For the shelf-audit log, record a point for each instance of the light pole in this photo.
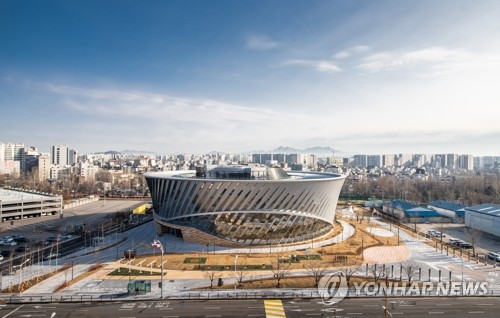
(161, 278)
(235, 274)
(462, 256)
(21, 276)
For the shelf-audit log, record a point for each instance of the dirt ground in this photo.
(346, 252)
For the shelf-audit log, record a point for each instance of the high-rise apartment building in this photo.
(388, 160)
(466, 162)
(59, 155)
(404, 159)
(2, 151)
(72, 156)
(451, 160)
(440, 160)
(359, 161)
(13, 152)
(374, 160)
(43, 168)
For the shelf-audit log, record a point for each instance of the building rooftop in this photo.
(241, 172)
(448, 206)
(7, 195)
(487, 208)
(413, 210)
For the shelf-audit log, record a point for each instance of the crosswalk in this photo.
(274, 308)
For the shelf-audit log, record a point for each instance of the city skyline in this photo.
(196, 76)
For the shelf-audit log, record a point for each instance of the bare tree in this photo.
(410, 268)
(376, 271)
(241, 274)
(348, 271)
(473, 236)
(280, 271)
(317, 271)
(212, 275)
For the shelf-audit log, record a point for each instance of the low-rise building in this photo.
(19, 204)
(484, 217)
(449, 209)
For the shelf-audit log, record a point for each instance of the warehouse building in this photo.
(484, 217)
(452, 210)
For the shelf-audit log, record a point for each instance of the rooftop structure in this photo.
(244, 205)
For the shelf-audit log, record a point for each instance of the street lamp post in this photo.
(21, 276)
(161, 278)
(235, 274)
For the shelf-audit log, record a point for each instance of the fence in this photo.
(230, 294)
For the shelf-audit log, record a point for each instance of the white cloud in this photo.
(187, 112)
(342, 55)
(360, 48)
(349, 51)
(260, 42)
(426, 59)
(317, 65)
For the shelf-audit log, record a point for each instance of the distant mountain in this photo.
(286, 150)
(134, 152)
(215, 152)
(127, 152)
(318, 151)
(322, 151)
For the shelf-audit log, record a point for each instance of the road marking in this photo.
(436, 312)
(10, 313)
(213, 316)
(211, 307)
(476, 312)
(274, 308)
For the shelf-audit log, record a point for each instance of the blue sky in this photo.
(196, 76)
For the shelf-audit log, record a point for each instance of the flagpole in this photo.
(161, 279)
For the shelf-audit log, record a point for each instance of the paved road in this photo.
(371, 307)
(435, 260)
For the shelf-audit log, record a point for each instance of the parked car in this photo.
(465, 245)
(1, 258)
(50, 256)
(11, 243)
(7, 253)
(454, 240)
(53, 239)
(457, 242)
(21, 239)
(22, 249)
(493, 256)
